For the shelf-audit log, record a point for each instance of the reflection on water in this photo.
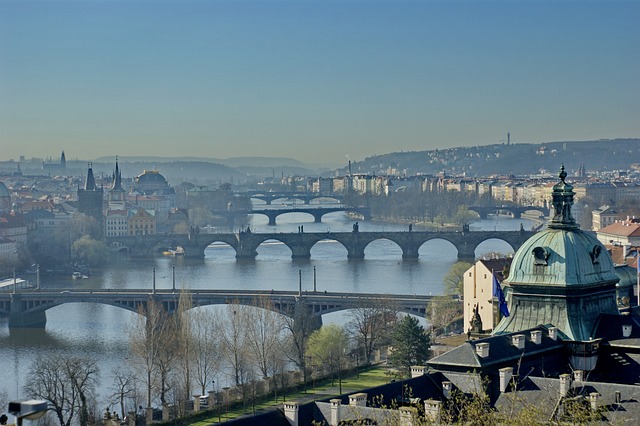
(100, 331)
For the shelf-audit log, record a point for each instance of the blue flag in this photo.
(499, 294)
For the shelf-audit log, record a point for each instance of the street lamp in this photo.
(32, 409)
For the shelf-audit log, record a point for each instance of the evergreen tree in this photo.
(410, 345)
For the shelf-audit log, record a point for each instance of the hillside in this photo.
(515, 159)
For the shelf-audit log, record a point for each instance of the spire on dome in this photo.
(562, 200)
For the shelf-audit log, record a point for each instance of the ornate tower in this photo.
(117, 195)
(90, 198)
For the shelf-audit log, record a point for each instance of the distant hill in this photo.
(231, 162)
(201, 172)
(514, 159)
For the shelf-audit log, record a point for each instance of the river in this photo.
(99, 331)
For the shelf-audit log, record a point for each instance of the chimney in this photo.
(565, 384)
(482, 350)
(517, 340)
(578, 376)
(335, 411)
(593, 399)
(291, 412)
(446, 389)
(417, 371)
(618, 397)
(432, 410)
(536, 337)
(553, 333)
(505, 376)
(407, 416)
(626, 330)
(358, 399)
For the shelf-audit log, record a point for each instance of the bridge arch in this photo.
(392, 248)
(318, 246)
(281, 244)
(447, 249)
(493, 245)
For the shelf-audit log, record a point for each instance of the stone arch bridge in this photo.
(246, 244)
(305, 197)
(515, 211)
(27, 308)
(316, 212)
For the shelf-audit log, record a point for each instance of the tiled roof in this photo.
(625, 229)
(501, 351)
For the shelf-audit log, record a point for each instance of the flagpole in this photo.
(638, 276)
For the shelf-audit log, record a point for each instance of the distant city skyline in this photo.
(317, 81)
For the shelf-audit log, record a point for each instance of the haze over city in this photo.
(318, 81)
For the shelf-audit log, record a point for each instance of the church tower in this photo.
(117, 195)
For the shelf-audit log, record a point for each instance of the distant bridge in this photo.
(27, 308)
(246, 244)
(316, 212)
(305, 197)
(515, 211)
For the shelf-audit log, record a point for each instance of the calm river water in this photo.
(99, 331)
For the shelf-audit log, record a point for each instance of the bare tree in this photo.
(67, 383)
(371, 324)
(265, 335)
(233, 332)
(299, 324)
(123, 387)
(146, 338)
(204, 330)
(442, 311)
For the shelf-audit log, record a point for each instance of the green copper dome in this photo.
(562, 255)
(561, 276)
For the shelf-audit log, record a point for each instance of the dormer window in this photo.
(540, 256)
(595, 253)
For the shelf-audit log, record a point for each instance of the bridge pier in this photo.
(355, 250)
(20, 319)
(466, 251)
(28, 320)
(272, 220)
(317, 218)
(300, 251)
(410, 253)
(304, 321)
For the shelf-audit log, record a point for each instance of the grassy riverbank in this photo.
(321, 389)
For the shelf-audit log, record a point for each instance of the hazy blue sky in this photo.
(313, 80)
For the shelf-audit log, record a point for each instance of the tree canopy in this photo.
(454, 279)
(410, 345)
(328, 347)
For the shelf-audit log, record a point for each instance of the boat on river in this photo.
(79, 275)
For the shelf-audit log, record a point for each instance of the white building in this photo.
(478, 292)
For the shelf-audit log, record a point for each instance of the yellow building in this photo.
(141, 222)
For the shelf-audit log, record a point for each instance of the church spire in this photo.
(117, 178)
(90, 184)
(562, 200)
